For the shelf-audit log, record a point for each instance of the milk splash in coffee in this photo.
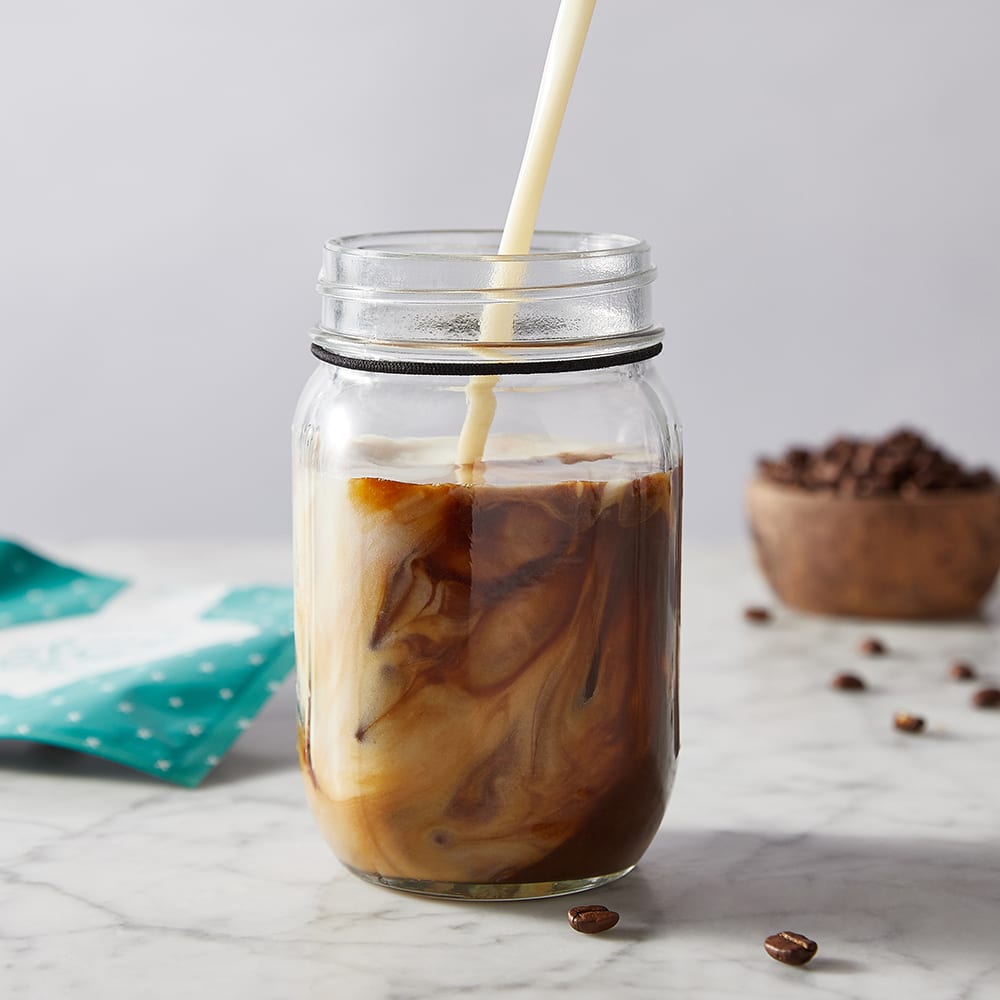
(490, 697)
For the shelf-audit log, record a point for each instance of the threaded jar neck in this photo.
(422, 295)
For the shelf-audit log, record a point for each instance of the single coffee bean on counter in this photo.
(756, 614)
(592, 919)
(962, 671)
(790, 947)
(907, 723)
(848, 682)
(987, 698)
(874, 647)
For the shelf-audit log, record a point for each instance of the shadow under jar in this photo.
(487, 654)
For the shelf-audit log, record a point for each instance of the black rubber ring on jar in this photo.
(485, 367)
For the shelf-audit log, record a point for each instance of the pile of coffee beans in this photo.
(901, 464)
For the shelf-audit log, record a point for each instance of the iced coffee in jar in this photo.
(487, 634)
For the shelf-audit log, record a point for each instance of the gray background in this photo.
(818, 179)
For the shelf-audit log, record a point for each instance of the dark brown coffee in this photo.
(493, 671)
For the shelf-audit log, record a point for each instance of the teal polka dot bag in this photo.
(163, 683)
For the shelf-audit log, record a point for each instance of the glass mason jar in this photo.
(487, 648)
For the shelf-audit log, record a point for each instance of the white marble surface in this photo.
(796, 807)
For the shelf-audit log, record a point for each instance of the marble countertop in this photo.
(796, 807)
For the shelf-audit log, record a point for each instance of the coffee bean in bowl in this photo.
(886, 528)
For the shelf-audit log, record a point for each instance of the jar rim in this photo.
(396, 245)
(406, 290)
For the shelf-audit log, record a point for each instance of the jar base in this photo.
(493, 892)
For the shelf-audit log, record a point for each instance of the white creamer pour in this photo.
(497, 322)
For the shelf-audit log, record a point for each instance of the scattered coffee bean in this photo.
(873, 647)
(962, 671)
(790, 948)
(757, 615)
(907, 723)
(592, 919)
(849, 682)
(987, 698)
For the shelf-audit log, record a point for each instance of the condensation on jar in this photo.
(487, 651)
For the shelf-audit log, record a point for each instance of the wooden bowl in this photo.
(932, 556)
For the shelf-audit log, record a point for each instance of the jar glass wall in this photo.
(487, 663)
